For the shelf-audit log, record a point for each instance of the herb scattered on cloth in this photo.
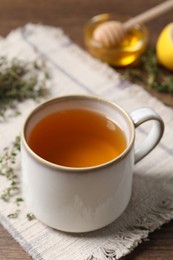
(7, 169)
(148, 73)
(8, 161)
(20, 81)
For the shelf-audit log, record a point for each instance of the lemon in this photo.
(164, 47)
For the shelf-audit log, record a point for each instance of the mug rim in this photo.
(77, 169)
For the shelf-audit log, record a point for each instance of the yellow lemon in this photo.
(164, 47)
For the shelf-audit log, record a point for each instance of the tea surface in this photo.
(77, 138)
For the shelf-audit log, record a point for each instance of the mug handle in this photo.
(141, 116)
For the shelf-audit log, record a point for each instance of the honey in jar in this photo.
(126, 53)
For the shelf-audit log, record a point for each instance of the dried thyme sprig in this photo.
(7, 170)
(149, 73)
(20, 81)
(7, 160)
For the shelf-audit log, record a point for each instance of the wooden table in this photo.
(71, 15)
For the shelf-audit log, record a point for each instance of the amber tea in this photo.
(77, 138)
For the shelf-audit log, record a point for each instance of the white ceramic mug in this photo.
(84, 199)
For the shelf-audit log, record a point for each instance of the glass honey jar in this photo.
(127, 52)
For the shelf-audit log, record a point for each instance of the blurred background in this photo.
(71, 15)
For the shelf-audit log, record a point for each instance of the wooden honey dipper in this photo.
(111, 33)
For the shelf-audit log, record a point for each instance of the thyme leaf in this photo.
(15, 214)
(18, 201)
(30, 216)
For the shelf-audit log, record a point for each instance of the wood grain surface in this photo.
(71, 15)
